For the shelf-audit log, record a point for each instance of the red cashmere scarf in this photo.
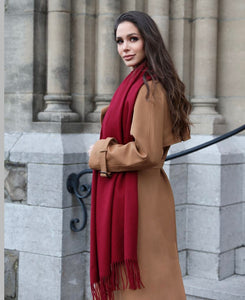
(114, 204)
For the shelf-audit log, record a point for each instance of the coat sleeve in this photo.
(152, 131)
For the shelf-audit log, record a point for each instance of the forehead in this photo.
(125, 28)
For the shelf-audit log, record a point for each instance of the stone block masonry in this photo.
(53, 261)
(11, 266)
(15, 182)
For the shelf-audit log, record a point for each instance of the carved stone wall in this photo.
(61, 64)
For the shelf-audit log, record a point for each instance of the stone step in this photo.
(231, 288)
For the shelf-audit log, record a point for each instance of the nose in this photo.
(125, 46)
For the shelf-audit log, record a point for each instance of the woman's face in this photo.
(130, 44)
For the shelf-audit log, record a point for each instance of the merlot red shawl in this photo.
(114, 204)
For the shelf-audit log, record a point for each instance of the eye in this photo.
(134, 39)
(119, 41)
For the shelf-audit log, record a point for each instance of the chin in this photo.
(131, 64)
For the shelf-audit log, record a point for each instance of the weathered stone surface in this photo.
(74, 271)
(231, 184)
(47, 184)
(107, 78)
(24, 6)
(227, 289)
(59, 5)
(128, 5)
(179, 39)
(87, 276)
(231, 12)
(230, 59)
(240, 261)
(39, 277)
(11, 264)
(231, 218)
(199, 178)
(19, 6)
(181, 9)
(58, 65)
(210, 265)
(9, 141)
(203, 231)
(226, 264)
(205, 56)
(44, 230)
(182, 261)
(83, 62)
(40, 53)
(15, 183)
(230, 87)
(19, 53)
(178, 175)
(108, 7)
(160, 14)
(35, 229)
(202, 264)
(52, 148)
(181, 212)
(206, 9)
(46, 277)
(233, 110)
(195, 298)
(18, 112)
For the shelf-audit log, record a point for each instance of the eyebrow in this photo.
(128, 35)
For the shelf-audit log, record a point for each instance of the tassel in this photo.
(124, 275)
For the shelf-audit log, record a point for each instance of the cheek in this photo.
(119, 50)
(141, 49)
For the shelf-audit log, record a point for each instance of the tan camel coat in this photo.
(157, 241)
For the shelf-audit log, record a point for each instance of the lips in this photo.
(128, 57)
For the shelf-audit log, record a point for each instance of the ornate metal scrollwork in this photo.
(81, 191)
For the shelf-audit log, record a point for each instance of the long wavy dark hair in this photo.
(161, 67)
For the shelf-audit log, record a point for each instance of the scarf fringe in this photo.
(123, 275)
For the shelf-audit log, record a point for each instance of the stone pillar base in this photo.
(48, 116)
(101, 101)
(207, 124)
(93, 117)
(58, 109)
(204, 117)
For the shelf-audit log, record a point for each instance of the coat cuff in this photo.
(97, 159)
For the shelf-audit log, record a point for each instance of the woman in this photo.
(134, 251)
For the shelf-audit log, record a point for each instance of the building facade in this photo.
(61, 68)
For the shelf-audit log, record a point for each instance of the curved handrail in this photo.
(206, 144)
(74, 187)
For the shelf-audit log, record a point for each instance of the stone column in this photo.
(58, 98)
(159, 11)
(107, 60)
(180, 39)
(83, 56)
(127, 5)
(204, 116)
(231, 63)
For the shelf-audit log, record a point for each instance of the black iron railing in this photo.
(82, 191)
